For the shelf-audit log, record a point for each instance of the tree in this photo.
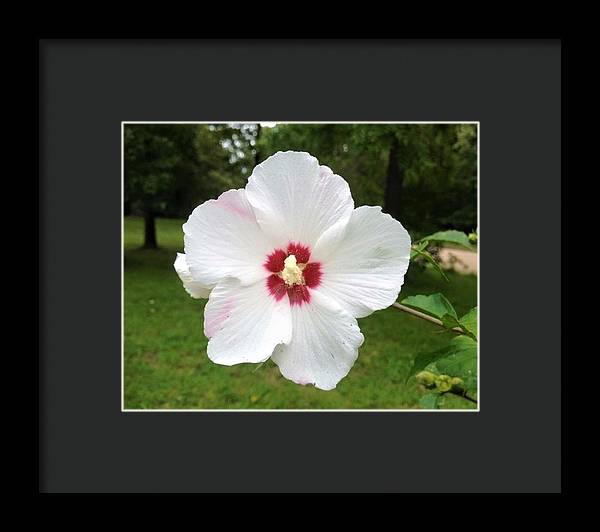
(256, 148)
(422, 174)
(172, 168)
(150, 161)
(203, 171)
(441, 177)
(393, 180)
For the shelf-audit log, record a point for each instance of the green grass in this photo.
(165, 359)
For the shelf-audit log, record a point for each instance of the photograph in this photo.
(293, 266)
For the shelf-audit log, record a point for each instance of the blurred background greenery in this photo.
(425, 175)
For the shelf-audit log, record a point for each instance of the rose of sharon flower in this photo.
(289, 264)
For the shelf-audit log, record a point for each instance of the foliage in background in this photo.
(150, 159)
(423, 174)
(171, 168)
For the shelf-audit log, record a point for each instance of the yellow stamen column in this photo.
(291, 273)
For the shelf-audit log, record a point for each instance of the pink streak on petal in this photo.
(212, 323)
(303, 382)
(325, 171)
(232, 203)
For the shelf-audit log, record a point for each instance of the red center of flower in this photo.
(292, 277)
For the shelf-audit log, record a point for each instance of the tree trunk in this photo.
(256, 152)
(394, 181)
(150, 231)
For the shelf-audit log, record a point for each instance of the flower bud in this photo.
(426, 378)
(443, 383)
(456, 381)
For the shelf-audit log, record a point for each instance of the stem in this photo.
(464, 396)
(423, 316)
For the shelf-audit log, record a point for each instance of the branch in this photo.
(463, 395)
(423, 316)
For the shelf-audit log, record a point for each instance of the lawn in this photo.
(165, 359)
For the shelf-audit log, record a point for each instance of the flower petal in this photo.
(366, 270)
(244, 323)
(222, 238)
(194, 288)
(297, 200)
(324, 344)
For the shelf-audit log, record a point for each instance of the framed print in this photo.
(318, 252)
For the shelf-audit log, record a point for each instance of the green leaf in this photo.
(460, 360)
(417, 252)
(468, 323)
(418, 246)
(473, 237)
(434, 305)
(470, 385)
(429, 401)
(459, 364)
(458, 238)
(423, 360)
(450, 322)
(457, 359)
(463, 342)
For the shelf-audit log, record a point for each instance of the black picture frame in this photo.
(87, 87)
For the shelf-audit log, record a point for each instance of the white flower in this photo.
(290, 264)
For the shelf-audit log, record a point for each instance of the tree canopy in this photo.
(423, 174)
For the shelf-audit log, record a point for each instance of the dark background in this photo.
(87, 88)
